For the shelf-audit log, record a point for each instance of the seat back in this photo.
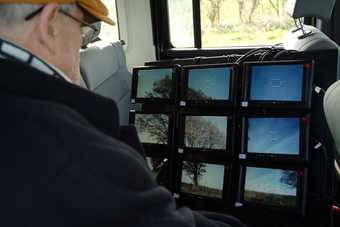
(308, 38)
(310, 8)
(332, 112)
(104, 70)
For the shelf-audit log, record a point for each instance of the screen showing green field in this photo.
(155, 83)
(209, 84)
(274, 136)
(206, 132)
(152, 128)
(202, 179)
(272, 187)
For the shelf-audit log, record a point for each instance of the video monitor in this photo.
(278, 84)
(202, 179)
(208, 84)
(206, 132)
(275, 137)
(152, 128)
(160, 169)
(271, 187)
(154, 84)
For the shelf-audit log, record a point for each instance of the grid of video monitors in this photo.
(280, 188)
(217, 114)
(275, 137)
(154, 84)
(208, 85)
(202, 179)
(284, 84)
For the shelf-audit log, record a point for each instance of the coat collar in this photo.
(12, 51)
(22, 80)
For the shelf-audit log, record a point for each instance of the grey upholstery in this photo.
(332, 112)
(316, 40)
(310, 8)
(103, 68)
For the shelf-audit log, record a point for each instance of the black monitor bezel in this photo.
(227, 180)
(303, 157)
(204, 153)
(306, 101)
(301, 194)
(175, 76)
(184, 84)
(156, 150)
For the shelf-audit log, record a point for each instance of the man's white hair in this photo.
(14, 13)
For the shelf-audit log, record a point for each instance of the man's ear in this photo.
(47, 27)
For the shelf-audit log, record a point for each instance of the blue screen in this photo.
(209, 84)
(277, 83)
(275, 187)
(274, 136)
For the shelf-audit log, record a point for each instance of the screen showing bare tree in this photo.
(155, 83)
(206, 132)
(152, 128)
(273, 187)
(209, 84)
(202, 179)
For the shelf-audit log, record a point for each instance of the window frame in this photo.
(162, 38)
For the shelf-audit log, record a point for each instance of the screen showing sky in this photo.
(275, 187)
(202, 179)
(206, 132)
(152, 128)
(209, 84)
(154, 83)
(276, 83)
(274, 136)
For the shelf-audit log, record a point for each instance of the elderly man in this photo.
(61, 164)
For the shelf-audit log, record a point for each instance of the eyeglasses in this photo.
(85, 27)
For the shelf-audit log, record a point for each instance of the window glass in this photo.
(108, 32)
(243, 22)
(181, 23)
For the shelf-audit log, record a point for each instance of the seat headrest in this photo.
(332, 112)
(310, 8)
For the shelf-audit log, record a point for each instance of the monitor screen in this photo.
(155, 83)
(274, 136)
(152, 128)
(277, 83)
(159, 169)
(271, 187)
(206, 132)
(202, 179)
(209, 83)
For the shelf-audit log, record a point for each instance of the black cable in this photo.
(276, 56)
(323, 167)
(320, 89)
(250, 53)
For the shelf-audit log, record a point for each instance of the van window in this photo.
(181, 23)
(108, 32)
(226, 23)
